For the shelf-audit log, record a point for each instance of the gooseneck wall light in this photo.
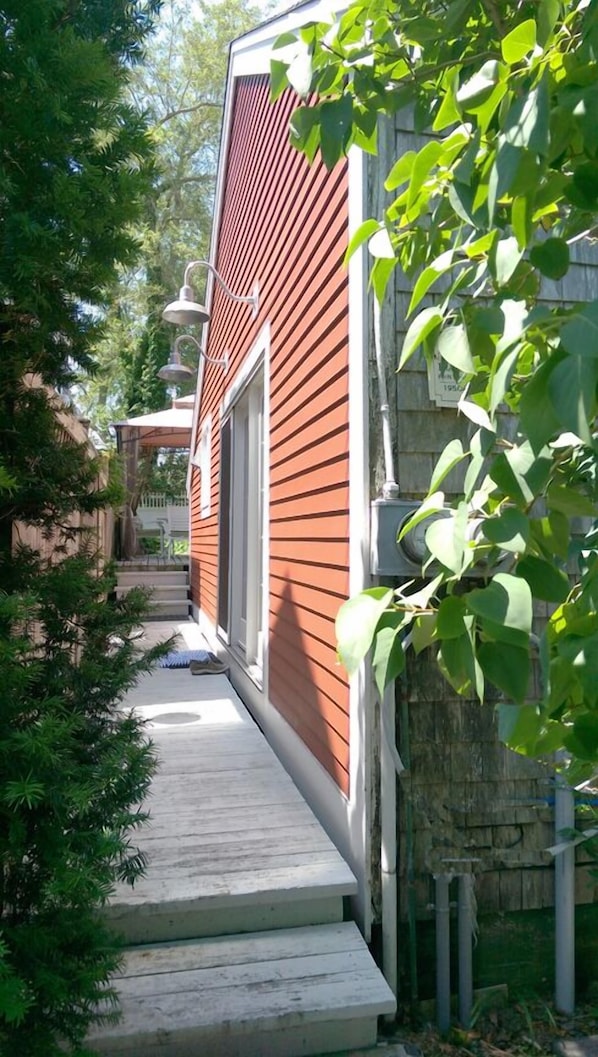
(186, 310)
(175, 372)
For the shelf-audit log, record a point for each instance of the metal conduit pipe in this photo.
(564, 902)
(465, 944)
(443, 952)
(388, 842)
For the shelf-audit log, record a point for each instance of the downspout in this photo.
(390, 761)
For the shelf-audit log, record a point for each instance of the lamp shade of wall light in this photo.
(186, 311)
(175, 372)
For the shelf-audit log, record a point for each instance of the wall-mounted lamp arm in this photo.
(252, 299)
(189, 338)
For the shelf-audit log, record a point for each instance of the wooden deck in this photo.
(232, 845)
(245, 952)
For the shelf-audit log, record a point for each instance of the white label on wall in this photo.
(443, 388)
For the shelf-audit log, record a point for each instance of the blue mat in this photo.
(181, 658)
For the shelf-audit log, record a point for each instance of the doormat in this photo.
(181, 658)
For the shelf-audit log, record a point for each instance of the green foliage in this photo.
(74, 167)
(498, 202)
(180, 87)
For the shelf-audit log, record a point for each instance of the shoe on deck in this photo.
(211, 666)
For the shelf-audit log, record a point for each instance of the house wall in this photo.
(466, 802)
(284, 225)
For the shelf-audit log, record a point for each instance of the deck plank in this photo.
(212, 992)
(226, 821)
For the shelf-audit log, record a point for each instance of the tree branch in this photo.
(187, 110)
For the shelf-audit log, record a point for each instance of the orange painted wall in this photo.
(284, 224)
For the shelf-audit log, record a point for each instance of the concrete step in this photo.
(289, 993)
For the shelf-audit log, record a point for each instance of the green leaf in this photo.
(432, 504)
(583, 739)
(580, 335)
(278, 78)
(450, 622)
(450, 457)
(507, 667)
(380, 273)
(424, 324)
(388, 658)
(504, 259)
(503, 175)
(363, 233)
(521, 220)
(521, 473)
(356, 623)
(458, 662)
(425, 160)
(448, 113)
(509, 531)
(551, 257)
(572, 391)
(551, 534)
(422, 632)
(476, 414)
(570, 502)
(447, 543)
(401, 171)
(299, 72)
(528, 122)
(506, 601)
(486, 110)
(519, 726)
(453, 346)
(380, 245)
(304, 128)
(519, 42)
(428, 277)
(539, 419)
(477, 88)
(336, 123)
(548, 13)
(546, 581)
(501, 375)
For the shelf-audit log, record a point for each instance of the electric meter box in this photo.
(389, 558)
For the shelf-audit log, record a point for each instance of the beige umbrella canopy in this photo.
(158, 429)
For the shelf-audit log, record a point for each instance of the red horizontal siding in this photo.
(284, 224)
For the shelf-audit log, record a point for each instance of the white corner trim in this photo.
(360, 744)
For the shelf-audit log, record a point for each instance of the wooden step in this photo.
(231, 844)
(159, 592)
(152, 578)
(290, 993)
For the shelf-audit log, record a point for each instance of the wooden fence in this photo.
(100, 523)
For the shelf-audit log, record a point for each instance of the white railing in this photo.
(157, 501)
